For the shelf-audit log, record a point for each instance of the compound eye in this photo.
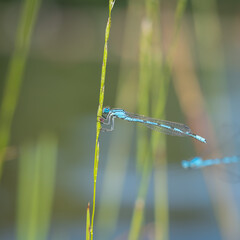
(106, 110)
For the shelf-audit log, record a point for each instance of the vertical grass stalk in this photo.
(88, 223)
(155, 78)
(15, 73)
(99, 112)
(138, 213)
(181, 6)
(36, 180)
(144, 82)
(145, 74)
(158, 142)
(118, 157)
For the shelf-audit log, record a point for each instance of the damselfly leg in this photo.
(108, 120)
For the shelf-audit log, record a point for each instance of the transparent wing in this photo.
(167, 127)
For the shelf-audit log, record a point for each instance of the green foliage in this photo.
(154, 78)
(36, 181)
(88, 223)
(99, 112)
(15, 73)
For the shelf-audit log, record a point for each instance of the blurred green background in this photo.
(47, 175)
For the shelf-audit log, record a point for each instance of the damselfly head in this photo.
(185, 164)
(106, 110)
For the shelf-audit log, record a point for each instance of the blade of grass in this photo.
(143, 90)
(88, 223)
(138, 211)
(36, 186)
(181, 6)
(118, 157)
(15, 72)
(152, 69)
(144, 164)
(158, 145)
(99, 112)
(47, 145)
(158, 142)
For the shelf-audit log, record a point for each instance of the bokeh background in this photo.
(176, 60)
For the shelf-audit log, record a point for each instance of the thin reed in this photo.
(143, 164)
(36, 183)
(154, 78)
(15, 73)
(158, 141)
(88, 223)
(117, 159)
(99, 112)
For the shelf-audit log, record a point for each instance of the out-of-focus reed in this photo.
(36, 184)
(143, 147)
(88, 223)
(153, 88)
(15, 73)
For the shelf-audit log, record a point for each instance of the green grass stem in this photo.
(36, 179)
(154, 77)
(15, 73)
(181, 6)
(99, 112)
(160, 90)
(138, 212)
(158, 147)
(88, 223)
(118, 157)
(143, 157)
(144, 85)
